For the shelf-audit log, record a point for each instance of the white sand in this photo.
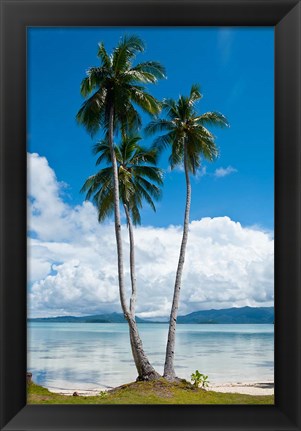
(91, 392)
(248, 388)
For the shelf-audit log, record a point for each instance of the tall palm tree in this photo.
(190, 141)
(139, 179)
(117, 86)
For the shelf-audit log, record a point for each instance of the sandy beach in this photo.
(247, 388)
(80, 392)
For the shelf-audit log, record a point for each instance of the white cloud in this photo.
(72, 259)
(178, 169)
(223, 172)
(225, 39)
(202, 172)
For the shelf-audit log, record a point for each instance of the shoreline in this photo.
(246, 388)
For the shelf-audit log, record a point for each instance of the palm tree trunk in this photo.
(144, 368)
(132, 262)
(169, 372)
(117, 217)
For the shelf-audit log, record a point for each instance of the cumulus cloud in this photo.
(73, 264)
(223, 172)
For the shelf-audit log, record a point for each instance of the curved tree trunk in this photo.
(117, 217)
(144, 368)
(132, 262)
(169, 372)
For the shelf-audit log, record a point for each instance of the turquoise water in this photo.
(97, 355)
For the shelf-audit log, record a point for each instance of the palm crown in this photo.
(186, 130)
(139, 178)
(117, 84)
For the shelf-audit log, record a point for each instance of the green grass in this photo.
(157, 392)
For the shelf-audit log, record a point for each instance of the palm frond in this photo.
(127, 48)
(126, 117)
(145, 101)
(143, 156)
(116, 84)
(206, 147)
(146, 196)
(129, 146)
(91, 113)
(213, 119)
(176, 156)
(104, 56)
(170, 108)
(153, 173)
(152, 189)
(105, 204)
(94, 79)
(95, 183)
(193, 156)
(141, 77)
(158, 125)
(186, 127)
(103, 149)
(135, 215)
(195, 94)
(164, 141)
(153, 68)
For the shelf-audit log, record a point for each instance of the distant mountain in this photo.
(228, 315)
(99, 318)
(231, 315)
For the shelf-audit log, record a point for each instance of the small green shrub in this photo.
(199, 380)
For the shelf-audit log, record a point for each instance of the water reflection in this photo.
(83, 356)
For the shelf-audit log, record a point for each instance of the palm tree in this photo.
(117, 86)
(189, 140)
(139, 179)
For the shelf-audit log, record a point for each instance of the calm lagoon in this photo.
(87, 356)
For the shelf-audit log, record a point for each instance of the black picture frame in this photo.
(16, 16)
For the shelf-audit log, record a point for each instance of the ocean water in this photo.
(86, 356)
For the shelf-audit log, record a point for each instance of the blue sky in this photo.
(230, 251)
(234, 67)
